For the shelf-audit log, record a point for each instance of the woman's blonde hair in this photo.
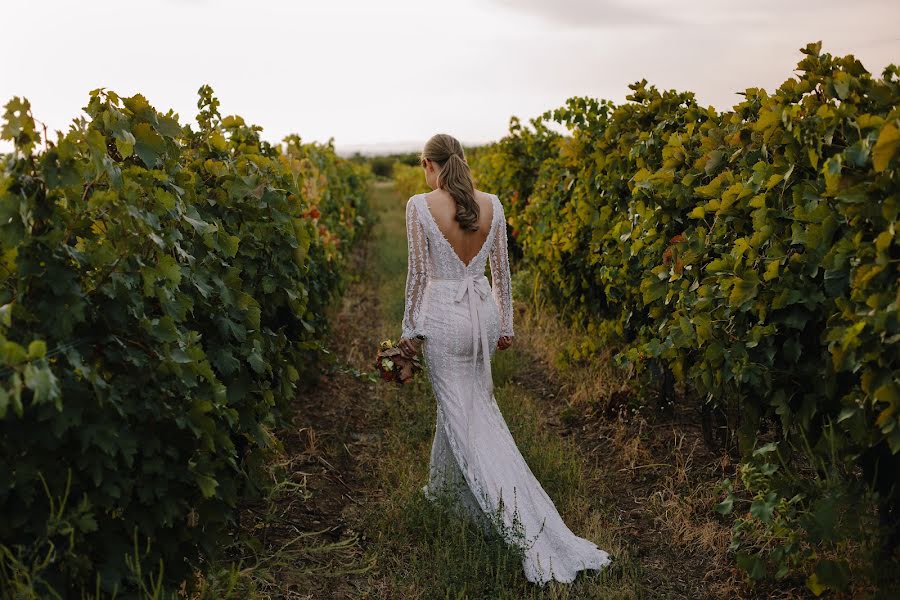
(455, 177)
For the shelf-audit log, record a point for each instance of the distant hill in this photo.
(378, 149)
(384, 148)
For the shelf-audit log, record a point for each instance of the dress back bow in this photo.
(478, 289)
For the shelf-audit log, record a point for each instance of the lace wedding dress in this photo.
(474, 457)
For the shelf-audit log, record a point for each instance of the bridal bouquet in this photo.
(393, 366)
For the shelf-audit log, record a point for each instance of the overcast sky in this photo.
(395, 72)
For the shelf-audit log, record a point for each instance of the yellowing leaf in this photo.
(883, 241)
(98, 227)
(885, 415)
(217, 168)
(889, 392)
(832, 172)
(743, 289)
(218, 142)
(716, 265)
(864, 273)
(825, 112)
(813, 157)
(868, 121)
(767, 119)
(6, 314)
(37, 349)
(774, 180)
(812, 582)
(886, 146)
(207, 484)
(124, 148)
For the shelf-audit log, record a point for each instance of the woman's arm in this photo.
(416, 278)
(500, 276)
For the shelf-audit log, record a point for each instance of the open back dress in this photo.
(473, 457)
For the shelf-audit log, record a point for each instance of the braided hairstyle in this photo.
(455, 177)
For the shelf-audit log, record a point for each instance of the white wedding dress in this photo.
(474, 457)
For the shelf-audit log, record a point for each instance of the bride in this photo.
(454, 314)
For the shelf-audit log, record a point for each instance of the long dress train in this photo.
(474, 456)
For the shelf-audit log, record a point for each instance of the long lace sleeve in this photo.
(500, 276)
(416, 274)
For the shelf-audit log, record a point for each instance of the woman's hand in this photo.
(504, 342)
(409, 347)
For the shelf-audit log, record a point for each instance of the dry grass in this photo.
(658, 474)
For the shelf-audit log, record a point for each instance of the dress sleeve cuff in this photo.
(411, 333)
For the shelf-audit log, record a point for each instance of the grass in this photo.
(425, 551)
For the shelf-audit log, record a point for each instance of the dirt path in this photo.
(305, 543)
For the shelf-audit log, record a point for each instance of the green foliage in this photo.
(801, 516)
(753, 253)
(409, 181)
(382, 166)
(514, 165)
(162, 292)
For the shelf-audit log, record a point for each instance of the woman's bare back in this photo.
(466, 244)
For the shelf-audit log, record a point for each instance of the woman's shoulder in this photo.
(415, 206)
(493, 198)
(490, 197)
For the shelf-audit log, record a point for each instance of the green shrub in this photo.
(162, 292)
(753, 253)
(512, 167)
(382, 166)
(409, 180)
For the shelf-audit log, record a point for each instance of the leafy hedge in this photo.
(754, 253)
(408, 180)
(163, 290)
(514, 165)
